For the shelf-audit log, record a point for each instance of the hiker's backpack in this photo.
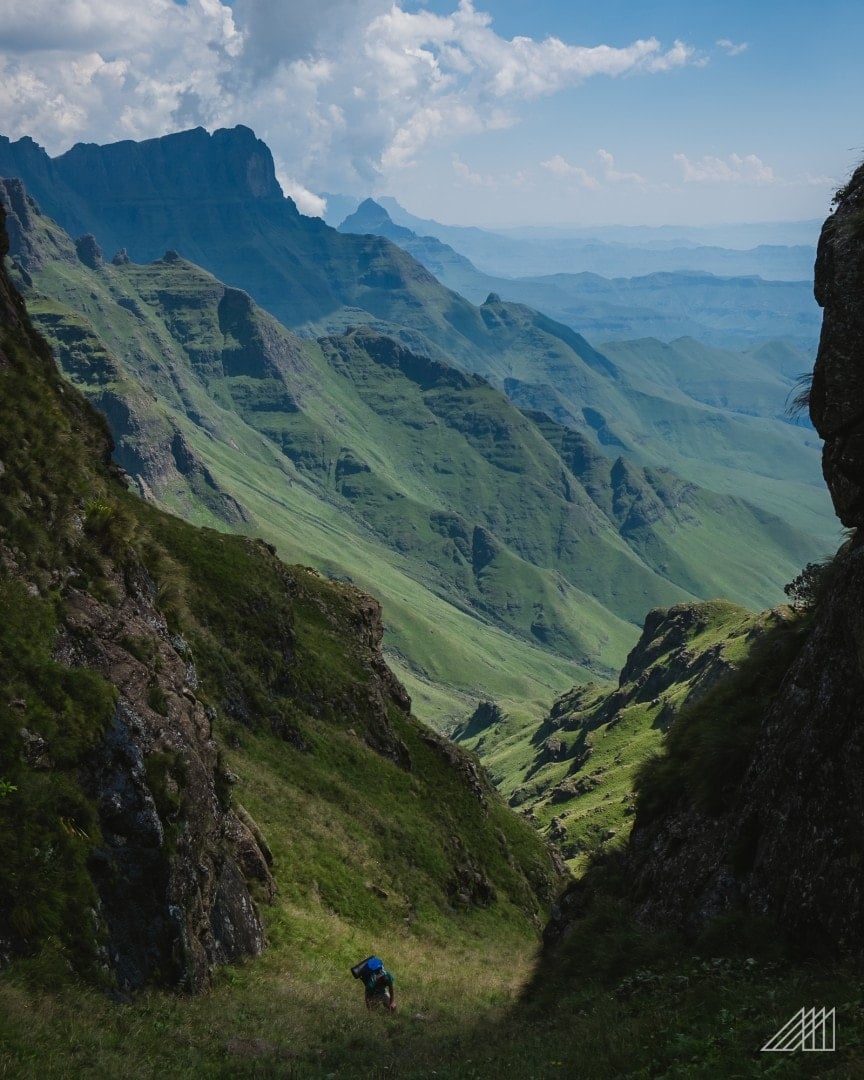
(367, 974)
(361, 971)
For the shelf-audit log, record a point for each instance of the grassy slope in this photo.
(366, 853)
(290, 508)
(311, 276)
(757, 382)
(462, 448)
(638, 1009)
(382, 428)
(575, 773)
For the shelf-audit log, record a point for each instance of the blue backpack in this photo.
(371, 971)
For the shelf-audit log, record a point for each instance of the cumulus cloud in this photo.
(734, 169)
(559, 166)
(609, 173)
(475, 179)
(99, 70)
(731, 49)
(342, 90)
(307, 201)
(614, 175)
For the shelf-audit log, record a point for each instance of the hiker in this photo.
(378, 982)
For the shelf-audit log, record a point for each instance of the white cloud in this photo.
(731, 49)
(615, 176)
(475, 179)
(561, 167)
(734, 169)
(307, 202)
(809, 180)
(98, 70)
(342, 90)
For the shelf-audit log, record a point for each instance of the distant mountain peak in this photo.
(367, 218)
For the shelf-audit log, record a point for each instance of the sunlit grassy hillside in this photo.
(514, 557)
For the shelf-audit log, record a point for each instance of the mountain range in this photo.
(730, 312)
(772, 250)
(467, 515)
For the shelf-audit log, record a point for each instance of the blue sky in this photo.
(503, 112)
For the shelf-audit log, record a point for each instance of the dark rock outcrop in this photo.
(89, 251)
(788, 844)
(837, 392)
(173, 896)
(785, 842)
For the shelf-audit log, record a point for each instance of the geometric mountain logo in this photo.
(809, 1030)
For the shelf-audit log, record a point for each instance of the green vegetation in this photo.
(350, 790)
(283, 657)
(512, 555)
(697, 667)
(612, 1003)
(805, 589)
(50, 714)
(712, 739)
(423, 865)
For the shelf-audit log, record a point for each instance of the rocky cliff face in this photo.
(103, 736)
(837, 393)
(229, 165)
(761, 807)
(215, 199)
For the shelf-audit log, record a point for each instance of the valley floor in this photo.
(469, 1006)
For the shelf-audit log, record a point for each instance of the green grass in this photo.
(711, 742)
(614, 1004)
(286, 664)
(367, 856)
(370, 463)
(578, 773)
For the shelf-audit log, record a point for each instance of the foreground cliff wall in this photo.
(115, 835)
(786, 840)
(755, 808)
(837, 392)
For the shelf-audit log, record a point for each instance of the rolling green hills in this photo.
(215, 200)
(513, 556)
